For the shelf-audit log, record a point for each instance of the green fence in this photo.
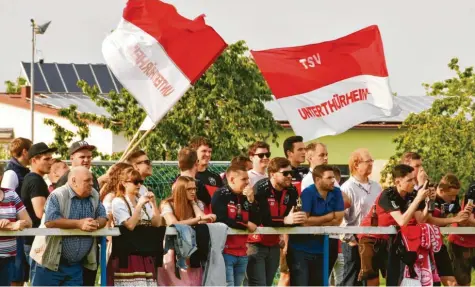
(164, 173)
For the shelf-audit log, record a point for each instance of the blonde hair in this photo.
(356, 158)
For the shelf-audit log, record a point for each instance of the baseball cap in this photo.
(40, 148)
(79, 145)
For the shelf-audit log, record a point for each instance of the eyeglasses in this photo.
(262, 155)
(368, 161)
(136, 182)
(191, 189)
(286, 172)
(147, 162)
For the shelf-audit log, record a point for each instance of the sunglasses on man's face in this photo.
(286, 172)
(262, 155)
(147, 162)
(136, 182)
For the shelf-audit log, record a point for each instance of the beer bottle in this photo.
(374, 217)
(239, 214)
(298, 207)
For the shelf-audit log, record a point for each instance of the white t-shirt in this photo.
(143, 190)
(362, 197)
(10, 180)
(107, 202)
(121, 212)
(254, 177)
(166, 208)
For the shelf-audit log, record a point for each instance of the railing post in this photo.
(103, 261)
(326, 259)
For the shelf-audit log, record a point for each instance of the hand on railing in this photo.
(19, 225)
(295, 217)
(88, 224)
(4, 223)
(251, 226)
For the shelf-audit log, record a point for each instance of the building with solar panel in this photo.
(56, 88)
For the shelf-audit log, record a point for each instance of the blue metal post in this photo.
(103, 261)
(326, 259)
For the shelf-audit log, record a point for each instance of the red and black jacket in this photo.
(225, 205)
(273, 207)
(211, 182)
(298, 173)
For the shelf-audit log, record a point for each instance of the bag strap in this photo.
(128, 205)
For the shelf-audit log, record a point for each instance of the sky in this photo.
(419, 37)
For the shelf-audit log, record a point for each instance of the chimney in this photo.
(25, 92)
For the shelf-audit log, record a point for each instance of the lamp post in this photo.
(35, 30)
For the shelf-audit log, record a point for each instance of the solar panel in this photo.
(85, 73)
(118, 84)
(103, 78)
(62, 78)
(70, 78)
(40, 84)
(53, 78)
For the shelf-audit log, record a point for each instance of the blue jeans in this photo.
(263, 264)
(67, 275)
(235, 269)
(30, 261)
(305, 268)
(20, 269)
(6, 270)
(352, 268)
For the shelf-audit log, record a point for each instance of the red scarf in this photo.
(425, 239)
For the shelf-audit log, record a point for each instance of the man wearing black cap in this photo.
(34, 190)
(80, 153)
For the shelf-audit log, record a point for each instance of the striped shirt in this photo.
(10, 206)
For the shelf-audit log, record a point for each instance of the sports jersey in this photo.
(274, 205)
(388, 201)
(235, 211)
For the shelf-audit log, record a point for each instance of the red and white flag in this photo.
(329, 87)
(157, 54)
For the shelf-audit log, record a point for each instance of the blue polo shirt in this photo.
(313, 203)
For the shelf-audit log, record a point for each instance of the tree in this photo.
(444, 134)
(4, 154)
(15, 87)
(225, 105)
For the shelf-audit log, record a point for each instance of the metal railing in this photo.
(320, 230)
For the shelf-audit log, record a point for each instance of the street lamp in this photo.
(35, 30)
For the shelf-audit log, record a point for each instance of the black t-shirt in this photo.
(33, 186)
(443, 209)
(298, 173)
(64, 179)
(410, 198)
(209, 178)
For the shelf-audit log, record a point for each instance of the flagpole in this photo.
(125, 155)
(136, 135)
(32, 80)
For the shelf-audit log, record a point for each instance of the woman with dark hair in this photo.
(181, 208)
(133, 214)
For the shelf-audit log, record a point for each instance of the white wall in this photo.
(19, 120)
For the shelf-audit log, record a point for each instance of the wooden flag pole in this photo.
(125, 155)
(136, 135)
